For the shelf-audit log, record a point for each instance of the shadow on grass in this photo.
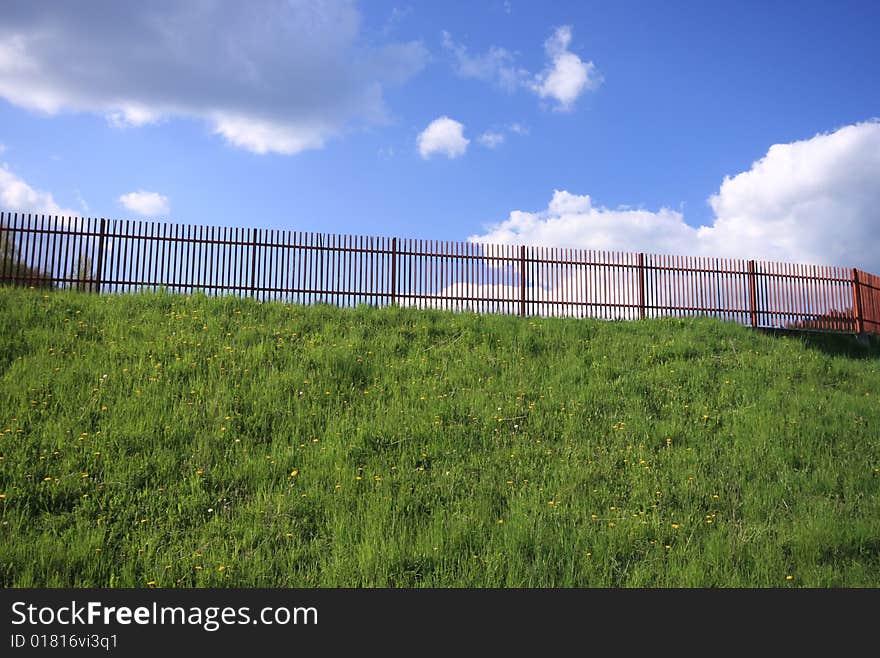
(848, 345)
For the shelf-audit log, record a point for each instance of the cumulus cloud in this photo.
(267, 76)
(812, 201)
(490, 139)
(443, 136)
(564, 78)
(145, 203)
(567, 76)
(17, 196)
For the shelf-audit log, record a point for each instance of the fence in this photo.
(123, 256)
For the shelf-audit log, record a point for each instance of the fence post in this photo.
(393, 271)
(753, 295)
(254, 233)
(857, 302)
(522, 280)
(641, 286)
(100, 268)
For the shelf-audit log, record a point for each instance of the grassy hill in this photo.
(187, 441)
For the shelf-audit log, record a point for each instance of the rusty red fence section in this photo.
(120, 256)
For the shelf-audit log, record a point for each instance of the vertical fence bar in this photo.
(641, 286)
(99, 266)
(857, 302)
(393, 271)
(253, 260)
(522, 280)
(753, 295)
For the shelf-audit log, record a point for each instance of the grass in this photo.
(187, 441)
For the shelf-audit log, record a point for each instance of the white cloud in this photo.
(564, 79)
(496, 66)
(812, 201)
(567, 76)
(267, 76)
(444, 136)
(518, 128)
(17, 196)
(145, 203)
(490, 139)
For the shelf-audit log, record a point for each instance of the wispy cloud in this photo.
(146, 203)
(565, 78)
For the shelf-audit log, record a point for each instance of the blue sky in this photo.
(309, 118)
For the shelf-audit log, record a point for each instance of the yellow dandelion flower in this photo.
(594, 516)
(675, 526)
(789, 577)
(151, 583)
(294, 473)
(611, 524)
(500, 521)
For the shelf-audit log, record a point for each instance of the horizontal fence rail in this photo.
(120, 256)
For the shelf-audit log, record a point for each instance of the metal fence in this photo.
(119, 256)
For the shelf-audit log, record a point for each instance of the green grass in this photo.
(190, 441)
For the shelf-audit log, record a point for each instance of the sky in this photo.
(745, 129)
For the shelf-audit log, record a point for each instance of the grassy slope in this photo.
(195, 442)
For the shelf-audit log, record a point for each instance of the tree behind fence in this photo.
(118, 256)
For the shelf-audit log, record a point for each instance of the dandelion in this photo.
(288, 534)
(151, 583)
(594, 516)
(500, 521)
(789, 577)
(294, 473)
(2, 496)
(611, 524)
(675, 526)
